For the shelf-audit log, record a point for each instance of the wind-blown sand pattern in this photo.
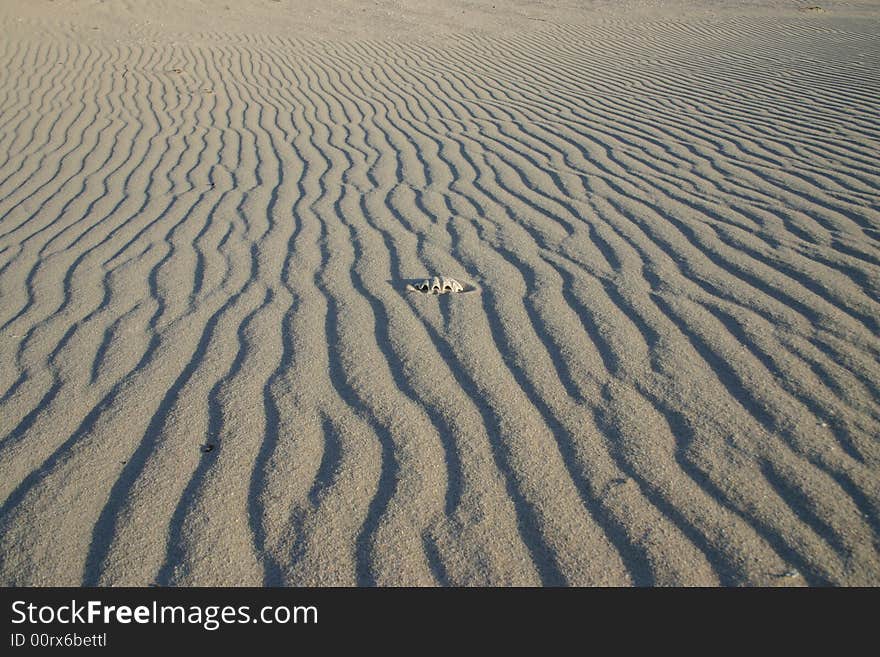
(211, 372)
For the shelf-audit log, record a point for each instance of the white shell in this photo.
(439, 285)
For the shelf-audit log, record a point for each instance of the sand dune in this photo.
(666, 371)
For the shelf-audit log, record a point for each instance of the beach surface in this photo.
(663, 367)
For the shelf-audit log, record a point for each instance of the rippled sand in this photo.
(664, 369)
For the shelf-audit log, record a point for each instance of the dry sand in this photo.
(665, 371)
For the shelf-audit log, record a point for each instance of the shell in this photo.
(439, 285)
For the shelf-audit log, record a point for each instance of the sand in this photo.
(664, 366)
